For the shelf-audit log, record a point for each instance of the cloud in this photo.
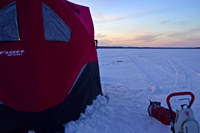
(150, 41)
(145, 38)
(184, 43)
(165, 22)
(184, 22)
(138, 40)
(100, 36)
(100, 17)
(104, 42)
(185, 33)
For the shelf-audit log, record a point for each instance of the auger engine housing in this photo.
(185, 121)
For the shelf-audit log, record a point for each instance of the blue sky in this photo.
(145, 23)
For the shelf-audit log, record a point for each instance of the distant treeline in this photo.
(121, 47)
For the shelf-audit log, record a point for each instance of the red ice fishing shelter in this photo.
(49, 68)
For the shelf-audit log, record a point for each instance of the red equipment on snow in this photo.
(182, 121)
(160, 113)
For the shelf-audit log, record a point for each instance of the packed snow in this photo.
(132, 77)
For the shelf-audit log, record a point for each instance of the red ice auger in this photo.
(182, 121)
(160, 113)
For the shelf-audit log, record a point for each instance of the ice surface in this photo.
(132, 77)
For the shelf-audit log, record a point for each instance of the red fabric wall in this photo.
(43, 76)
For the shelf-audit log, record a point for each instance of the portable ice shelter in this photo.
(49, 68)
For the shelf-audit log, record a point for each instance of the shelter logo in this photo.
(12, 53)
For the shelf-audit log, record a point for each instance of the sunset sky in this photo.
(145, 23)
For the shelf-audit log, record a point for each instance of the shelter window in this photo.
(55, 29)
(9, 30)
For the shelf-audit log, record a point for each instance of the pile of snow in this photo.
(132, 77)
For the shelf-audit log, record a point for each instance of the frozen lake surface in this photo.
(132, 77)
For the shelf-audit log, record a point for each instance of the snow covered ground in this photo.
(132, 77)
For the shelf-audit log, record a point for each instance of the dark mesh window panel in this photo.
(9, 30)
(54, 27)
